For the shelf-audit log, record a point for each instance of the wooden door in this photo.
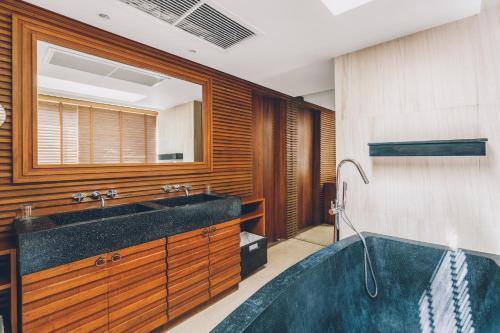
(225, 256)
(67, 298)
(138, 287)
(188, 271)
(269, 162)
(308, 168)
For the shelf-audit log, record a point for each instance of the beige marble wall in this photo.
(442, 83)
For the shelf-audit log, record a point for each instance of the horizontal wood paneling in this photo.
(232, 134)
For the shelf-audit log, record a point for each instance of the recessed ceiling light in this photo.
(338, 7)
(104, 16)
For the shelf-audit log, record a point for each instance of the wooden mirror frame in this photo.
(26, 33)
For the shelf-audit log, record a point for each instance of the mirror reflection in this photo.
(95, 111)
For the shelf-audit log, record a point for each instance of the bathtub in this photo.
(422, 288)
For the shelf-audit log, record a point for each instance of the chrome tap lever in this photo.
(177, 188)
(79, 197)
(167, 188)
(95, 195)
(111, 194)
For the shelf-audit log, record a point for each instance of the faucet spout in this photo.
(187, 187)
(340, 204)
(103, 201)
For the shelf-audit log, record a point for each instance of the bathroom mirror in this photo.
(90, 108)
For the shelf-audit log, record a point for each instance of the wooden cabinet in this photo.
(224, 256)
(201, 264)
(119, 291)
(188, 271)
(135, 289)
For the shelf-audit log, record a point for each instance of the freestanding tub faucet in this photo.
(338, 209)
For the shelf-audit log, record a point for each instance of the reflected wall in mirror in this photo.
(91, 110)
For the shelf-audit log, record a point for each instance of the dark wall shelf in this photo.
(463, 147)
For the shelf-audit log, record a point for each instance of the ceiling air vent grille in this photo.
(167, 10)
(211, 25)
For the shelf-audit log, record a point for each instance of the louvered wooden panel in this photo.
(224, 256)
(105, 136)
(49, 133)
(69, 123)
(188, 271)
(138, 288)
(84, 134)
(134, 135)
(66, 298)
(327, 152)
(232, 135)
(151, 140)
(292, 186)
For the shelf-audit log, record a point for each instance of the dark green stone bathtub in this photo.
(422, 288)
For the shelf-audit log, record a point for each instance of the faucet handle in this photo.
(177, 188)
(95, 195)
(187, 186)
(78, 197)
(167, 188)
(112, 194)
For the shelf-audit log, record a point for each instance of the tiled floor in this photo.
(280, 257)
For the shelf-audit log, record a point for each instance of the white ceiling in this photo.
(297, 38)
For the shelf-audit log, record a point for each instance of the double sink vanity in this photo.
(127, 268)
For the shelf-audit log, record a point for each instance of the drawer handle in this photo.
(116, 257)
(100, 262)
(205, 232)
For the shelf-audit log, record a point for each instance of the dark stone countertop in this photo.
(43, 243)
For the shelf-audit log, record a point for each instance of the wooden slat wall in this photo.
(232, 137)
(327, 152)
(292, 186)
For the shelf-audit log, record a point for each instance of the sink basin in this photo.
(96, 214)
(182, 201)
(50, 241)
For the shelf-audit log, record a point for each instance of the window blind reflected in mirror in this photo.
(94, 111)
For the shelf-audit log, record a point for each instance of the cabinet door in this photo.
(188, 271)
(67, 298)
(137, 287)
(224, 256)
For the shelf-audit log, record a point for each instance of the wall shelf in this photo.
(462, 147)
(253, 216)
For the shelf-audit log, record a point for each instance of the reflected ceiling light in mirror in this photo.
(338, 7)
(3, 115)
(79, 89)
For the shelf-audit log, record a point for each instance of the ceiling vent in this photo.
(89, 64)
(167, 10)
(197, 18)
(211, 25)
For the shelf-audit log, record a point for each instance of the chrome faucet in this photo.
(340, 205)
(177, 188)
(167, 188)
(187, 187)
(98, 196)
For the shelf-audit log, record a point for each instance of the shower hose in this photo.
(368, 261)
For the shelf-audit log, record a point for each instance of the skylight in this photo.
(338, 7)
